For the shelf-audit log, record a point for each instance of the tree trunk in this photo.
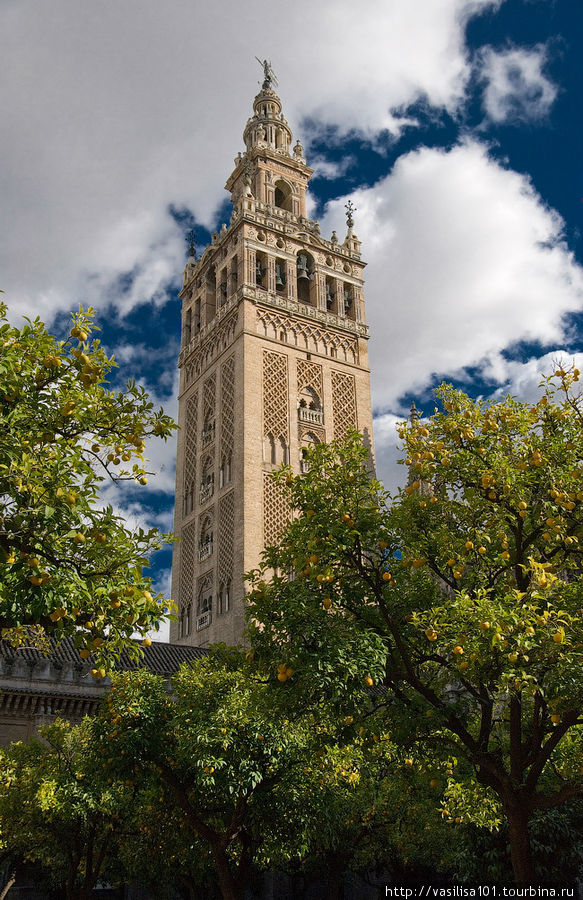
(519, 840)
(229, 890)
(334, 885)
(8, 885)
(336, 865)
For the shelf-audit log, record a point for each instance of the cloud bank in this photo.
(113, 111)
(465, 259)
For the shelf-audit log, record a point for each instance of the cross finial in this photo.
(268, 74)
(190, 239)
(350, 208)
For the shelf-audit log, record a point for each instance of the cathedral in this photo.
(273, 358)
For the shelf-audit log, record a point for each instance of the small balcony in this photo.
(311, 416)
(205, 550)
(204, 620)
(206, 491)
(304, 466)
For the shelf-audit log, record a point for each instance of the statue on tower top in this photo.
(350, 208)
(190, 241)
(269, 78)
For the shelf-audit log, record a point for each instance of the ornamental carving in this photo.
(275, 395)
(343, 403)
(307, 336)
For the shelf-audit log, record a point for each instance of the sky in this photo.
(454, 126)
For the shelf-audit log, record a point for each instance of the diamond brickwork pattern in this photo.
(208, 399)
(310, 375)
(187, 565)
(190, 445)
(343, 403)
(276, 511)
(275, 395)
(227, 408)
(226, 536)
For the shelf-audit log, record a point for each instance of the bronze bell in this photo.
(279, 276)
(303, 271)
(259, 271)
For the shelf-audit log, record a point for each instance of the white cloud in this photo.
(464, 260)
(389, 472)
(523, 379)
(516, 88)
(112, 111)
(329, 169)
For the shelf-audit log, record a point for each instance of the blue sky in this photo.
(455, 127)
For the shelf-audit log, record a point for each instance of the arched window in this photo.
(187, 328)
(261, 270)
(280, 276)
(208, 431)
(205, 544)
(207, 483)
(185, 621)
(225, 471)
(204, 604)
(349, 304)
(308, 441)
(283, 195)
(223, 287)
(306, 278)
(211, 295)
(225, 596)
(310, 407)
(234, 273)
(282, 452)
(330, 294)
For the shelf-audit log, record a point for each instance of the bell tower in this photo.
(274, 357)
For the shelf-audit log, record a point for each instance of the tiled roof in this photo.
(160, 658)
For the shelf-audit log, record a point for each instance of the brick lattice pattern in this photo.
(343, 403)
(226, 536)
(208, 400)
(275, 395)
(227, 408)
(310, 375)
(275, 510)
(187, 562)
(190, 445)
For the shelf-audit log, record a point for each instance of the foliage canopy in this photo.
(68, 564)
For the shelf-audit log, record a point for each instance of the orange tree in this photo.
(59, 809)
(232, 778)
(467, 591)
(68, 564)
(223, 755)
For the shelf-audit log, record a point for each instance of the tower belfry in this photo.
(274, 357)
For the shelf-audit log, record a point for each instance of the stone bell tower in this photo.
(274, 357)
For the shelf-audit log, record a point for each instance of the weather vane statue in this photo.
(190, 238)
(269, 78)
(350, 208)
